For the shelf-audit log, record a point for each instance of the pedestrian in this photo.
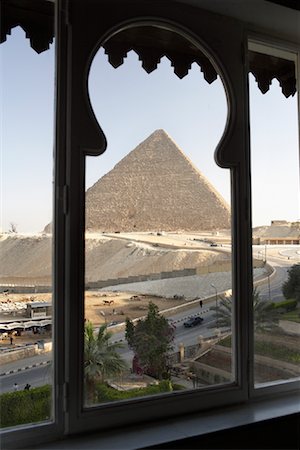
(11, 340)
(16, 387)
(201, 304)
(27, 387)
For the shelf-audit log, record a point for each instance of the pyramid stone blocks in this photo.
(155, 187)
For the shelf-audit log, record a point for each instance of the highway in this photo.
(280, 258)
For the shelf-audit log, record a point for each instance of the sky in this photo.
(129, 105)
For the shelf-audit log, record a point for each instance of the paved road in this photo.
(42, 374)
(280, 258)
(35, 377)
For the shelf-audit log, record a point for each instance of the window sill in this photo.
(158, 433)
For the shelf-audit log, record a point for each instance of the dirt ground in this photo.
(101, 307)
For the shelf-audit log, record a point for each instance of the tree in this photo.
(101, 358)
(12, 227)
(291, 287)
(264, 313)
(151, 340)
(129, 332)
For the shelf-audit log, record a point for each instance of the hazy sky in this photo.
(130, 104)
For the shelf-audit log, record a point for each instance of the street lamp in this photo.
(266, 254)
(269, 288)
(217, 321)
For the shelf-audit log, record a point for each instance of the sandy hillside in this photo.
(113, 258)
(26, 256)
(27, 259)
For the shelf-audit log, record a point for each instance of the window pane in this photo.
(158, 231)
(26, 245)
(276, 232)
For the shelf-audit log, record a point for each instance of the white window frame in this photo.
(291, 52)
(68, 262)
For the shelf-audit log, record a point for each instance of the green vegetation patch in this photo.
(293, 316)
(287, 305)
(272, 350)
(226, 342)
(276, 351)
(109, 394)
(24, 407)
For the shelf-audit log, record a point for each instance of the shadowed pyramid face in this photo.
(155, 187)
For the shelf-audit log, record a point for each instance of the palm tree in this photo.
(223, 312)
(264, 314)
(101, 358)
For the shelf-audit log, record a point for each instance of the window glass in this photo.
(158, 295)
(27, 98)
(276, 221)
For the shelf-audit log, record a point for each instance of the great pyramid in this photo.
(155, 187)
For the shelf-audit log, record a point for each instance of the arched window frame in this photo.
(224, 41)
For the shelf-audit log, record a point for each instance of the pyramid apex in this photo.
(159, 132)
(155, 187)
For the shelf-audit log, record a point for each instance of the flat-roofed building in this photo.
(280, 232)
(39, 309)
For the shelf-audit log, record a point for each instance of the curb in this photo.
(21, 369)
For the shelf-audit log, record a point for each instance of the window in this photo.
(26, 241)
(276, 226)
(158, 231)
(91, 141)
(83, 138)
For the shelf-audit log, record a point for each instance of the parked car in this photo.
(193, 322)
(112, 324)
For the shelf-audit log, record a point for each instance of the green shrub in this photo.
(287, 305)
(293, 316)
(165, 386)
(226, 342)
(178, 387)
(25, 406)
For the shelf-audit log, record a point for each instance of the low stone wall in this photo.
(283, 367)
(217, 266)
(26, 351)
(270, 272)
(20, 353)
(225, 266)
(48, 346)
(25, 289)
(290, 327)
(288, 370)
(209, 374)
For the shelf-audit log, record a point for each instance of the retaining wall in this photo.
(137, 278)
(25, 352)
(210, 374)
(14, 355)
(290, 327)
